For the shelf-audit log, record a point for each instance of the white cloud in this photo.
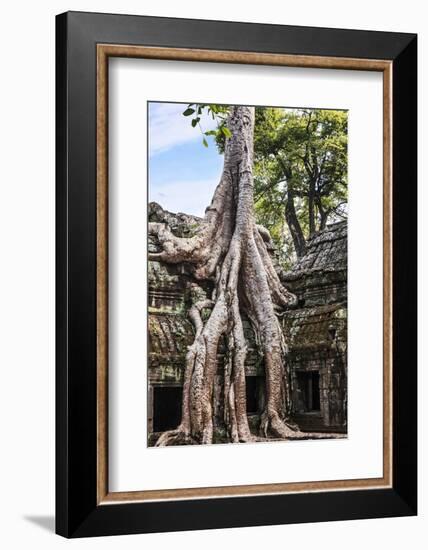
(168, 127)
(190, 197)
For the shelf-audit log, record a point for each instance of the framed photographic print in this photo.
(236, 274)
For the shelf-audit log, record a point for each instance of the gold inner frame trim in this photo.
(104, 51)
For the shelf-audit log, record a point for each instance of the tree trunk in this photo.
(323, 213)
(230, 250)
(311, 207)
(293, 223)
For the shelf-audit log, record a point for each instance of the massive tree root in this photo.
(231, 250)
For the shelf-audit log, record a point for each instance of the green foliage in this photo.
(300, 155)
(217, 112)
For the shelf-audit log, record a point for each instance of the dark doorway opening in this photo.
(252, 388)
(309, 385)
(166, 407)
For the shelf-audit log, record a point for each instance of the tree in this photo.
(301, 163)
(230, 250)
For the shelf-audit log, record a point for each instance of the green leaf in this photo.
(188, 112)
(195, 122)
(226, 131)
(205, 142)
(210, 132)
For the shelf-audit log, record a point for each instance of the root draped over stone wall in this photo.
(230, 250)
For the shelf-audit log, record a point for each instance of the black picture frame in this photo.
(77, 512)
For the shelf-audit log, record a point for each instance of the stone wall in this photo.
(316, 333)
(317, 330)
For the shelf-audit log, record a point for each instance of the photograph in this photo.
(247, 273)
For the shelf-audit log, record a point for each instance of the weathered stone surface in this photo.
(316, 332)
(325, 251)
(320, 276)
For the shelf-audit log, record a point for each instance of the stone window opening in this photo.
(166, 407)
(254, 391)
(309, 385)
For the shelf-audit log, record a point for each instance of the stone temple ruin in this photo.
(315, 331)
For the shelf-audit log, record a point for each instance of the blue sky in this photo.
(182, 172)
